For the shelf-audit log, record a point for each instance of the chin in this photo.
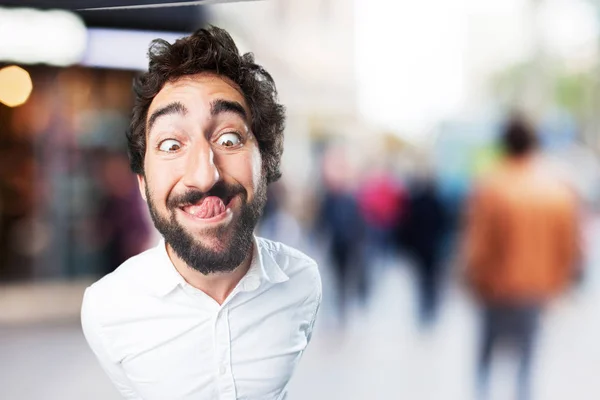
(215, 245)
(217, 239)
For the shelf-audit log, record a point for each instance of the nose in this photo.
(201, 172)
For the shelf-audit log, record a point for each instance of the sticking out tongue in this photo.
(210, 207)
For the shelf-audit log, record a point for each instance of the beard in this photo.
(236, 237)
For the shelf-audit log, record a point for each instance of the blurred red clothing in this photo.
(522, 236)
(381, 200)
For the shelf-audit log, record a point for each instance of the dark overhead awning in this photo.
(174, 19)
(153, 15)
(100, 4)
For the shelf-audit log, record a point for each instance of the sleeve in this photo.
(569, 243)
(315, 296)
(477, 239)
(93, 335)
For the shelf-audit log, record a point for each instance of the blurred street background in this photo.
(394, 111)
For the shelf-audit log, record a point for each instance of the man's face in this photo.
(203, 177)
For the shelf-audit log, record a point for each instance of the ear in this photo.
(142, 186)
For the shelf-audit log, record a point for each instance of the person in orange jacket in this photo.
(521, 247)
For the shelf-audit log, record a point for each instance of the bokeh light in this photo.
(15, 86)
(30, 36)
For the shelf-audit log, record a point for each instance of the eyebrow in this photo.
(171, 108)
(227, 106)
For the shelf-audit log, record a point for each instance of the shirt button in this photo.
(222, 369)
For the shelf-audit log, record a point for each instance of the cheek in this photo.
(160, 180)
(257, 170)
(246, 169)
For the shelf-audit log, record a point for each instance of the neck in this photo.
(217, 285)
(522, 159)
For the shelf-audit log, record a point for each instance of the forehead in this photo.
(197, 91)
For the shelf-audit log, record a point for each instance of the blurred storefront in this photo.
(69, 206)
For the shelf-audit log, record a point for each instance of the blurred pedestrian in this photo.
(341, 223)
(381, 200)
(422, 230)
(521, 248)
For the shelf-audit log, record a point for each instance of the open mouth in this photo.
(209, 207)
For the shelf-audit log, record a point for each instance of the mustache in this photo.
(221, 190)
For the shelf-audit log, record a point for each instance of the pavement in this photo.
(379, 354)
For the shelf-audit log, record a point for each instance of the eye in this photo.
(169, 145)
(229, 139)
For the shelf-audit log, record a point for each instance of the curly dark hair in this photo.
(210, 50)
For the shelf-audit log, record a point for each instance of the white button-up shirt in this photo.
(159, 338)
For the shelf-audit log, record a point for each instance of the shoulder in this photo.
(289, 259)
(118, 288)
(490, 185)
(127, 275)
(301, 269)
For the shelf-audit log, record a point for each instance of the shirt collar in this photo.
(269, 268)
(263, 267)
(164, 277)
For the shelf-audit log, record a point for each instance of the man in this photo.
(422, 232)
(339, 219)
(521, 248)
(212, 312)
